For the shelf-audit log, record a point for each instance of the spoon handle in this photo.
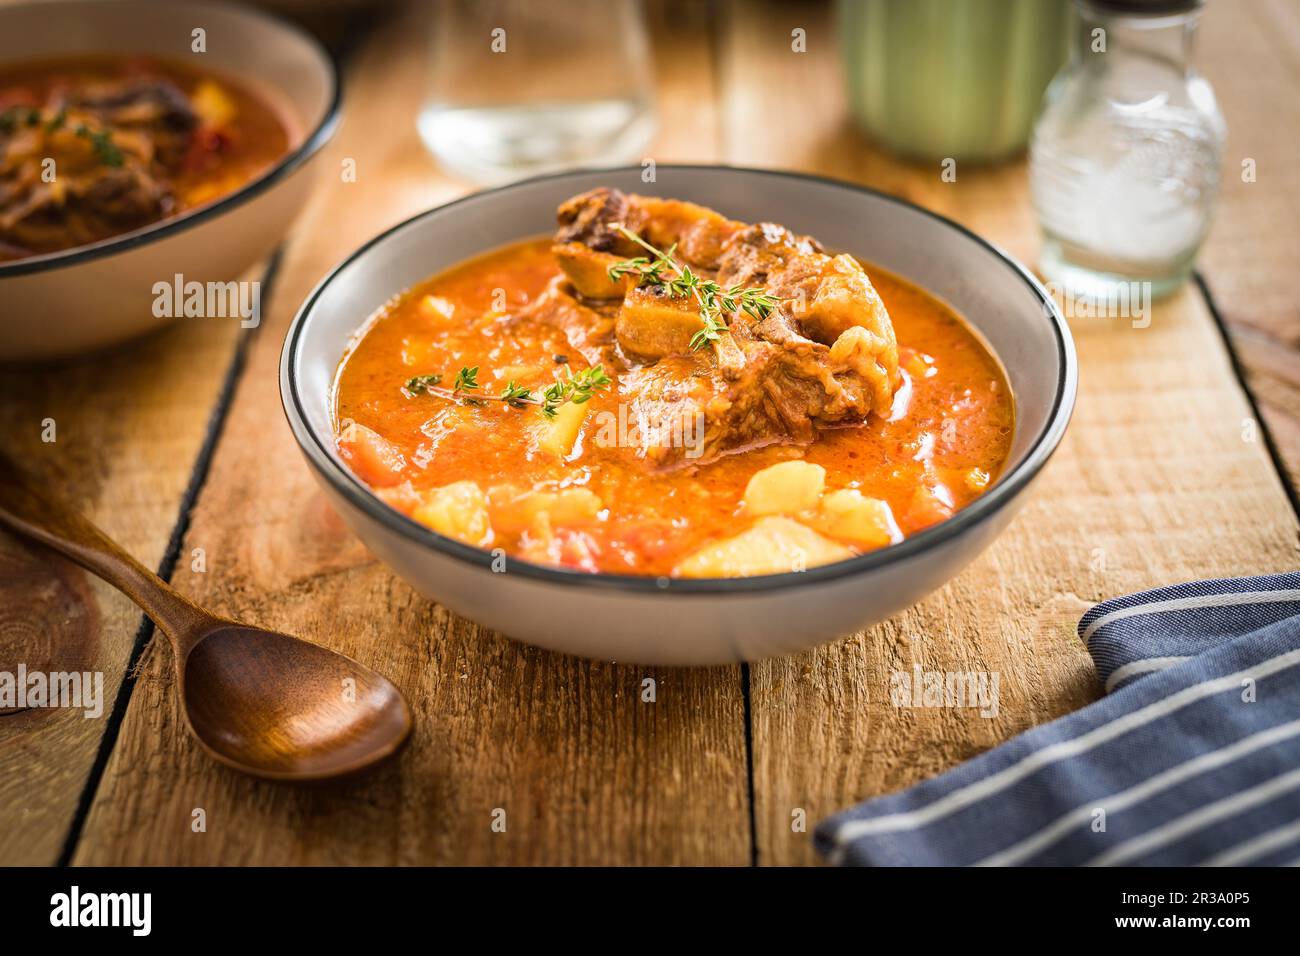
(27, 512)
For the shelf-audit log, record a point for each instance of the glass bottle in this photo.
(1125, 155)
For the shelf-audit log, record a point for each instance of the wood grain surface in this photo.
(1250, 51)
(128, 427)
(1164, 476)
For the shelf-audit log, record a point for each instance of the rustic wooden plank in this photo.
(1252, 256)
(1161, 479)
(586, 772)
(128, 425)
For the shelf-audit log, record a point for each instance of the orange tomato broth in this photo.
(955, 434)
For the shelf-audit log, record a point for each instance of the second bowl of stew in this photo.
(149, 155)
(719, 416)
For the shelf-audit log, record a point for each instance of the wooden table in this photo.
(178, 444)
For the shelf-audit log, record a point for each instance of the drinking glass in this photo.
(518, 87)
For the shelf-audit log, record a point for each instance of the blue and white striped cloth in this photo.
(1193, 757)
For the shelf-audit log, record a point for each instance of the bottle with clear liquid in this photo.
(518, 87)
(1125, 156)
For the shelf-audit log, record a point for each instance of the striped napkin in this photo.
(1192, 757)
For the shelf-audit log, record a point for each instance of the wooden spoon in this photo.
(264, 703)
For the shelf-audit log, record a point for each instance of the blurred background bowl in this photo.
(103, 293)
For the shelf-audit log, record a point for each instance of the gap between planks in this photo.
(166, 567)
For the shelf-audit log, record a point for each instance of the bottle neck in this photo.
(1166, 38)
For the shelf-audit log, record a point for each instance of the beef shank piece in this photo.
(825, 355)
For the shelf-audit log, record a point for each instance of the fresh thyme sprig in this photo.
(516, 395)
(577, 387)
(715, 303)
(466, 379)
(421, 384)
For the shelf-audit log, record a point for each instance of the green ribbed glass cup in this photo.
(933, 79)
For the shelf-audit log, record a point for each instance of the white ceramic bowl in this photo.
(658, 620)
(95, 295)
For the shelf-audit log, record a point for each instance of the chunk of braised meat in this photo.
(91, 163)
(593, 220)
(825, 355)
(149, 105)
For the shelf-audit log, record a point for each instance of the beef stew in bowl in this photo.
(660, 390)
(632, 615)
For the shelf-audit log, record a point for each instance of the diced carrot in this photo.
(403, 497)
(651, 538)
(931, 503)
(578, 551)
(375, 459)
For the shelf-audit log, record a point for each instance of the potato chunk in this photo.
(575, 506)
(770, 546)
(787, 488)
(459, 511)
(557, 435)
(213, 104)
(437, 309)
(865, 522)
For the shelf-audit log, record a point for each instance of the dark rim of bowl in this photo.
(356, 492)
(167, 227)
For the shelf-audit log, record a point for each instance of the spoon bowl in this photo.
(276, 707)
